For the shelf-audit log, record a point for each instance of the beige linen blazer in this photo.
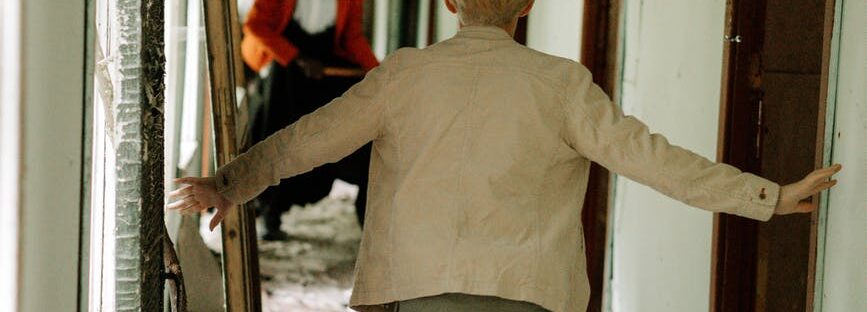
(481, 150)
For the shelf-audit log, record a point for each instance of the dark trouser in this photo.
(291, 95)
(463, 303)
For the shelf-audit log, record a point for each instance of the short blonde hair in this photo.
(488, 12)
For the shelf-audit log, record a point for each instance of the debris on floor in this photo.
(313, 270)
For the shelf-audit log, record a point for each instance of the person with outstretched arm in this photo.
(481, 152)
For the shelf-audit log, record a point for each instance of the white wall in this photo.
(554, 27)
(672, 69)
(380, 28)
(10, 154)
(845, 266)
(52, 103)
(447, 22)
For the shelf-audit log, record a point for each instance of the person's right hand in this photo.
(198, 195)
(311, 67)
(792, 196)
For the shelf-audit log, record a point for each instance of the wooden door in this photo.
(772, 111)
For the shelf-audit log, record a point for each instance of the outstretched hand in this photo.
(198, 195)
(793, 197)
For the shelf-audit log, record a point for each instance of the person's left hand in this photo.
(198, 195)
(793, 197)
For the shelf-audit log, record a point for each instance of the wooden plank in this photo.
(240, 262)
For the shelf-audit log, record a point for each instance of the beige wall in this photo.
(672, 69)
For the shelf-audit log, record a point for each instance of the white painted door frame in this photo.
(40, 194)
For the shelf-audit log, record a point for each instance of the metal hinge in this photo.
(735, 38)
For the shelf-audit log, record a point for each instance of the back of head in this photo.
(489, 12)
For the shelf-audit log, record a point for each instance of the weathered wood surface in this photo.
(138, 115)
(174, 276)
(240, 261)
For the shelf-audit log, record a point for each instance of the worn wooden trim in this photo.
(824, 138)
(240, 258)
(733, 270)
(718, 237)
(139, 262)
(153, 228)
(599, 54)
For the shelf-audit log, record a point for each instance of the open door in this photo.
(772, 124)
(240, 255)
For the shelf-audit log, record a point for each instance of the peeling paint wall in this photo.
(672, 69)
(845, 263)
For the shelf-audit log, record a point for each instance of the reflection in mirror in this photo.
(308, 227)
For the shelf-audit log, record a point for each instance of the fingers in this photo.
(824, 173)
(192, 208)
(181, 203)
(188, 180)
(181, 192)
(186, 206)
(218, 217)
(805, 206)
(824, 186)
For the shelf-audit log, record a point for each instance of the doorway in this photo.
(773, 108)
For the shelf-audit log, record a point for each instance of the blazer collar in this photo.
(484, 32)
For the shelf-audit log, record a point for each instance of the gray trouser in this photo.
(464, 303)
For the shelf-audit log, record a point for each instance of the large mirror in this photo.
(294, 246)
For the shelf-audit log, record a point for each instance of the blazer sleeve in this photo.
(597, 129)
(356, 45)
(327, 135)
(263, 26)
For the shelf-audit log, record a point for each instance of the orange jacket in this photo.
(264, 41)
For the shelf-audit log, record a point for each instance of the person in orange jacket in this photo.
(290, 43)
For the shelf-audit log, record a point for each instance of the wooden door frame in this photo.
(600, 54)
(734, 251)
(830, 43)
(733, 243)
(240, 253)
